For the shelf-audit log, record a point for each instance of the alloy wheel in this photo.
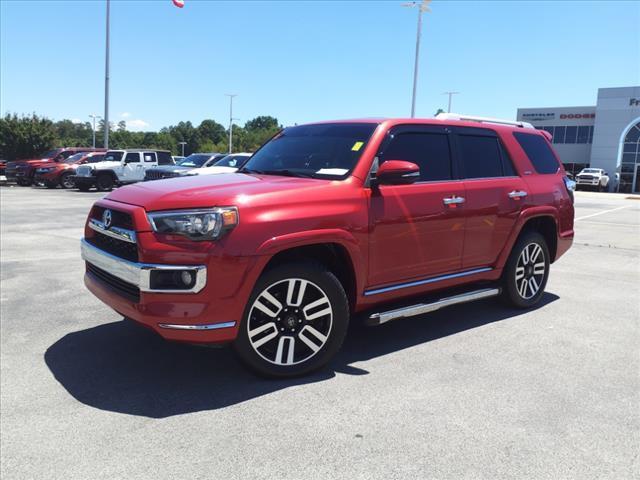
(530, 271)
(290, 321)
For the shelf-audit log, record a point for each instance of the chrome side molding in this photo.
(419, 309)
(426, 281)
(206, 326)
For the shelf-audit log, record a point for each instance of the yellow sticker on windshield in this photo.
(357, 146)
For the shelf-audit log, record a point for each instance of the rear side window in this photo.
(538, 151)
(149, 156)
(430, 151)
(481, 156)
(164, 158)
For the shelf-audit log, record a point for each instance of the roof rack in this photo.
(472, 118)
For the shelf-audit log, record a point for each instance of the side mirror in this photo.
(397, 172)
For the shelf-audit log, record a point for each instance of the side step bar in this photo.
(419, 309)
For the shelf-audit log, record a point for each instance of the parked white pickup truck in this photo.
(592, 177)
(119, 167)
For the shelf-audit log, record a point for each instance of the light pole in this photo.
(450, 95)
(183, 144)
(106, 84)
(94, 128)
(231, 119)
(422, 7)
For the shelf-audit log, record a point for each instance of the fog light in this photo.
(172, 279)
(187, 277)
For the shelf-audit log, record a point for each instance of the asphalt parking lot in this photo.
(474, 391)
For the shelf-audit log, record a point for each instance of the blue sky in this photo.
(304, 61)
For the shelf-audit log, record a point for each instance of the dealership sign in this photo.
(577, 115)
(538, 117)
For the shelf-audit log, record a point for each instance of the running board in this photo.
(384, 317)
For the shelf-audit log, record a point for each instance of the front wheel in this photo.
(104, 183)
(83, 187)
(66, 180)
(295, 321)
(527, 271)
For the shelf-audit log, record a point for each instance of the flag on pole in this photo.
(178, 3)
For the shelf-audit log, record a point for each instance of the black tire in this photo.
(66, 180)
(83, 187)
(23, 183)
(50, 184)
(290, 324)
(104, 182)
(517, 265)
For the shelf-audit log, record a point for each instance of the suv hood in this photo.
(202, 191)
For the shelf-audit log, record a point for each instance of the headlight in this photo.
(205, 224)
(45, 170)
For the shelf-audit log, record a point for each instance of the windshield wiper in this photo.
(287, 173)
(250, 170)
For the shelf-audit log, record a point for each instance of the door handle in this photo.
(453, 200)
(518, 194)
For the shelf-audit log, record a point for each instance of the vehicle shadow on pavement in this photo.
(123, 367)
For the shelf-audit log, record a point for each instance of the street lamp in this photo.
(94, 128)
(450, 95)
(183, 144)
(106, 84)
(422, 7)
(231, 119)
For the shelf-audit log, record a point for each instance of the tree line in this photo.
(27, 136)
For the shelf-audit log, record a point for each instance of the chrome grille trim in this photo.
(115, 232)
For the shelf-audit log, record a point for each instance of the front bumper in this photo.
(591, 183)
(84, 181)
(139, 274)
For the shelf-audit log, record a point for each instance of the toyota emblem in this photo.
(106, 218)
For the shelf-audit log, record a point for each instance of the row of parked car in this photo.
(86, 168)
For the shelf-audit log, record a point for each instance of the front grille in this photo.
(158, 174)
(84, 171)
(585, 177)
(122, 288)
(119, 248)
(118, 218)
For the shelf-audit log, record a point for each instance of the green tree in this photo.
(25, 136)
(122, 125)
(439, 112)
(264, 122)
(210, 130)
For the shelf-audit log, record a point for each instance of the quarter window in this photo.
(481, 156)
(538, 151)
(430, 151)
(149, 156)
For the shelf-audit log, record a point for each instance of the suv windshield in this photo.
(194, 160)
(50, 153)
(74, 158)
(234, 161)
(113, 157)
(328, 150)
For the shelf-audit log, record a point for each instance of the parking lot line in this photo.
(601, 213)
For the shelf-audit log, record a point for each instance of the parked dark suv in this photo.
(386, 219)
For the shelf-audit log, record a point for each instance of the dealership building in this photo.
(605, 136)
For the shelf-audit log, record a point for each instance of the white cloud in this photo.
(125, 114)
(136, 124)
(76, 120)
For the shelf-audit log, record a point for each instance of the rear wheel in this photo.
(104, 182)
(527, 271)
(83, 188)
(66, 180)
(295, 321)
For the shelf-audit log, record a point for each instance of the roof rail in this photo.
(472, 118)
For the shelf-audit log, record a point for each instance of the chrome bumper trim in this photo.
(139, 274)
(207, 326)
(114, 232)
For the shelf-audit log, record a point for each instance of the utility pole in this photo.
(450, 95)
(422, 7)
(106, 84)
(94, 128)
(183, 144)
(231, 119)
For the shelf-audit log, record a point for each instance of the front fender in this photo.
(345, 239)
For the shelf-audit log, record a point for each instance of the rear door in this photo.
(494, 192)
(417, 230)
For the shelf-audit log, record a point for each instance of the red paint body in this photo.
(23, 171)
(53, 177)
(391, 233)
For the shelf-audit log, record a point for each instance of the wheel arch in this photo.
(338, 253)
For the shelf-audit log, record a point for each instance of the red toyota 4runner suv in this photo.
(381, 218)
